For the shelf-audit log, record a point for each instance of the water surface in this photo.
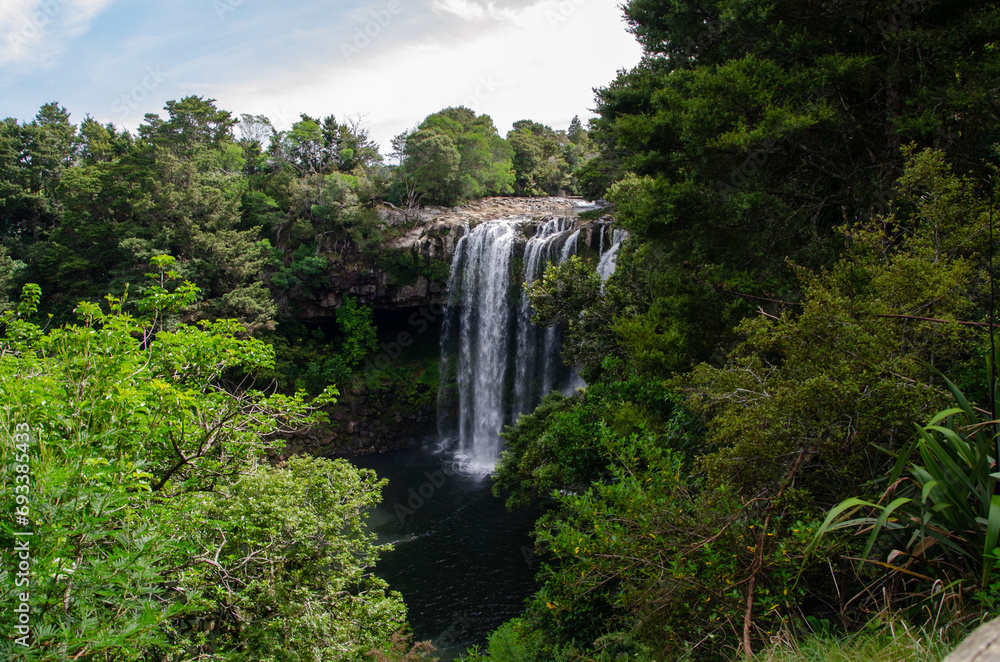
(463, 564)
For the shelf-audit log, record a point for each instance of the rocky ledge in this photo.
(412, 269)
(434, 231)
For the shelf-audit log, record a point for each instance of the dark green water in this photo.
(461, 561)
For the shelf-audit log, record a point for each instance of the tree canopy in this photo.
(455, 155)
(807, 190)
(156, 526)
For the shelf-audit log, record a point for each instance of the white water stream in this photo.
(503, 363)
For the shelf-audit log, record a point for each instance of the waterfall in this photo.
(569, 248)
(451, 311)
(483, 333)
(537, 360)
(609, 260)
(505, 364)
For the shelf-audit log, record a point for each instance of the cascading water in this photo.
(609, 260)
(483, 338)
(495, 335)
(537, 360)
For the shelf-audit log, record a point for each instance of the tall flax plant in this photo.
(943, 498)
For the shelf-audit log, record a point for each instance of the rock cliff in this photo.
(412, 267)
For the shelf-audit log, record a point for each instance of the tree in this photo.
(355, 148)
(744, 138)
(433, 161)
(191, 209)
(192, 123)
(576, 133)
(315, 146)
(285, 564)
(539, 163)
(256, 129)
(34, 157)
(156, 530)
(256, 133)
(455, 155)
(102, 143)
(813, 385)
(796, 417)
(9, 269)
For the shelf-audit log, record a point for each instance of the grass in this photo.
(893, 642)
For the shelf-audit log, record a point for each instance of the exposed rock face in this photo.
(370, 421)
(413, 267)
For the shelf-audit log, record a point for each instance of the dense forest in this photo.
(789, 431)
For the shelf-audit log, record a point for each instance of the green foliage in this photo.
(177, 192)
(401, 648)
(329, 210)
(311, 361)
(539, 165)
(35, 156)
(647, 550)
(547, 162)
(633, 541)
(192, 124)
(156, 531)
(358, 331)
(305, 266)
(792, 417)
(85, 208)
(944, 511)
(876, 642)
(625, 319)
(432, 160)
(553, 446)
(570, 295)
(404, 267)
(315, 146)
(749, 134)
(813, 385)
(293, 565)
(784, 246)
(455, 155)
(516, 641)
(9, 269)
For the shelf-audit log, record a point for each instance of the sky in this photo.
(389, 63)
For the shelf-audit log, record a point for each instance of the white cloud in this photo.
(473, 11)
(33, 34)
(541, 65)
(461, 8)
